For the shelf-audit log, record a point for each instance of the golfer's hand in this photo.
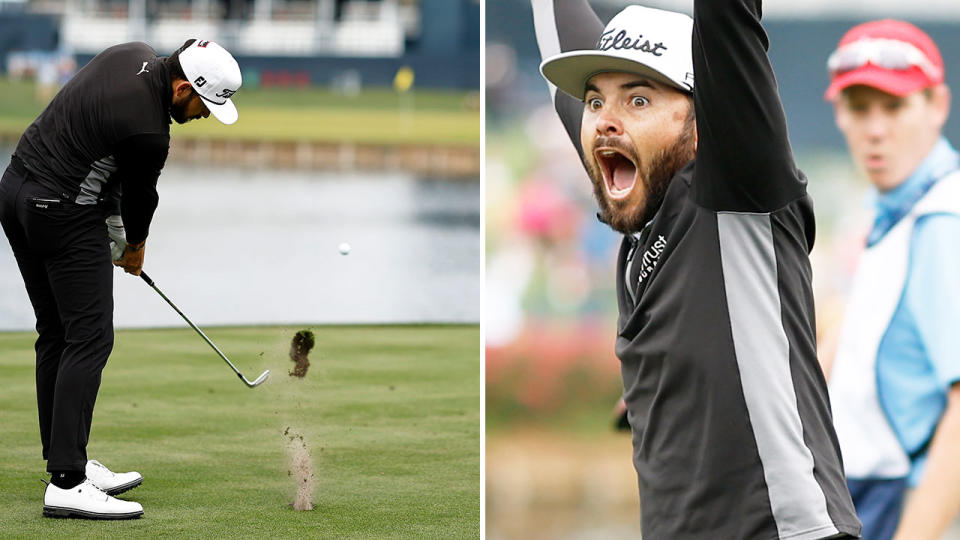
(132, 258)
(118, 237)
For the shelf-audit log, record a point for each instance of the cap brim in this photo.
(570, 71)
(898, 83)
(226, 113)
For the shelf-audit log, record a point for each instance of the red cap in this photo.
(896, 82)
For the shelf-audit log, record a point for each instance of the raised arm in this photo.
(561, 26)
(744, 160)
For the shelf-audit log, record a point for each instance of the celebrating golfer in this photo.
(681, 130)
(80, 190)
(895, 380)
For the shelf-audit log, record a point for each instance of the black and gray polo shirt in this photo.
(732, 430)
(107, 131)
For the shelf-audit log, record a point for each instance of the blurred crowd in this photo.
(550, 263)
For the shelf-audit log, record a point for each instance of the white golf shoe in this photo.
(87, 501)
(110, 482)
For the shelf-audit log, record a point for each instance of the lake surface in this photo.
(232, 246)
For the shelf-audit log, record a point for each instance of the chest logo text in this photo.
(651, 257)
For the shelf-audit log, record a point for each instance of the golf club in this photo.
(256, 382)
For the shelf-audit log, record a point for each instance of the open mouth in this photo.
(874, 161)
(619, 171)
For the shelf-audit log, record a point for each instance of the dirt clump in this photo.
(300, 346)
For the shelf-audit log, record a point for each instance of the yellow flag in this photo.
(403, 79)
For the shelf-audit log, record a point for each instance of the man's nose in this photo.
(877, 125)
(608, 123)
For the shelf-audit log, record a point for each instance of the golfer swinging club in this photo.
(80, 190)
(680, 127)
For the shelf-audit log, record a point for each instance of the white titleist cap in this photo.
(215, 75)
(641, 40)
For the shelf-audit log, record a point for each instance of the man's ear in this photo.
(941, 102)
(181, 89)
(840, 115)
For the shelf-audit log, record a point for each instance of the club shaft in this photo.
(150, 282)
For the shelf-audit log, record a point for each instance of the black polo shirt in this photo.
(732, 430)
(105, 133)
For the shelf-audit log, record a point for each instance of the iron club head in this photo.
(259, 380)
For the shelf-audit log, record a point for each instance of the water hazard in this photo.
(232, 246)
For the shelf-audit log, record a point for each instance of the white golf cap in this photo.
(646, 41)
(215, 75)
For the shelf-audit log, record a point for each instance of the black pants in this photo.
(63, 252)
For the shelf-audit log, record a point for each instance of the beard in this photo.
(629, 215)
(178, 111)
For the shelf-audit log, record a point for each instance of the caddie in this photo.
(895, 379)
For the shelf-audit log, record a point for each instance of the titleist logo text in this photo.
(612, 39)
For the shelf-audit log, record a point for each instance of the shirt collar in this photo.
(941, 160)
(163, 83)
(893, 205)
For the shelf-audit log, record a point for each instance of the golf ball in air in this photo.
(344, 248)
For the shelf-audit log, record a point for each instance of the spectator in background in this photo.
(894, 382)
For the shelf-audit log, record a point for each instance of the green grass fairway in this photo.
(375, 116)
(333, 125)
(391, 416)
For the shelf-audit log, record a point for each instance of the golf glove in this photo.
(132, 258)
(118, 238)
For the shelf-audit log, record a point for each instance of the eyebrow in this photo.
(626, 86)
(639, 82)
